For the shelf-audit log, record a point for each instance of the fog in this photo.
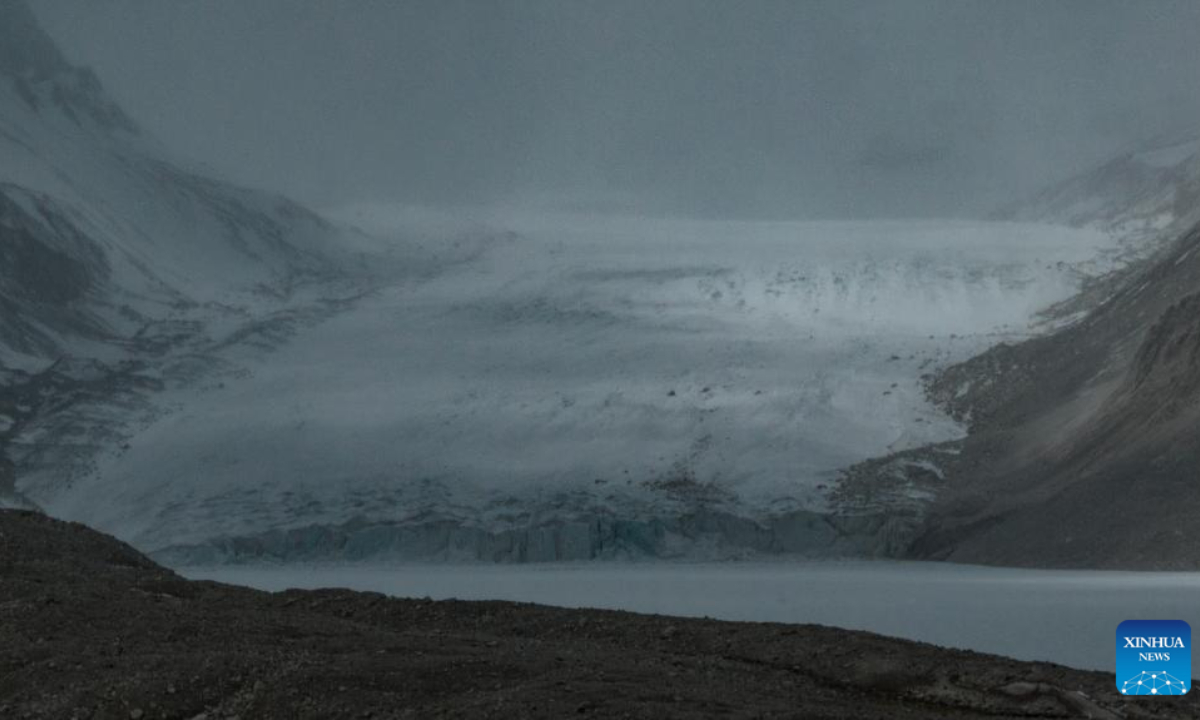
(766, 109)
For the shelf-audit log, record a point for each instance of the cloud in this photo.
(841, 108)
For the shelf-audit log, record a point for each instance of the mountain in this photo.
(1141, 196)
(544, 388)
(118, 264)
(101, 230)
(1083, 447)
(550, 391)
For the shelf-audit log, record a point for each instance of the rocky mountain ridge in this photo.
(1083, 446)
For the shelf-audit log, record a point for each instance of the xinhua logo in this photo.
(1154, 657)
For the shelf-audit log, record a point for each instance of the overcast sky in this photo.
(767, 108)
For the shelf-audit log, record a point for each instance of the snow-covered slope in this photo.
(101, 232)
(115, 260)
(587, 387)
(1141, 197)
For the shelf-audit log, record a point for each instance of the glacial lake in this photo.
(1067, 617)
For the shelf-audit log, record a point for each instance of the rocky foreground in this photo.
(89, 628)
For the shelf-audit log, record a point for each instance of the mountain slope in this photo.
(1083, 448)
(121, 270)
(99, 231)
(1141, 197)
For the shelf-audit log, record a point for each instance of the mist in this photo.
(794, 331)
(768, 109)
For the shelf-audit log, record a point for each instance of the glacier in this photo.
(218, 374)
(564, 386)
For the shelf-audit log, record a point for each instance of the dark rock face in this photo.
(89, 628)
(1167, 366)
(43, 257)
(48, 272)
(1085, 444)
(8, 478)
